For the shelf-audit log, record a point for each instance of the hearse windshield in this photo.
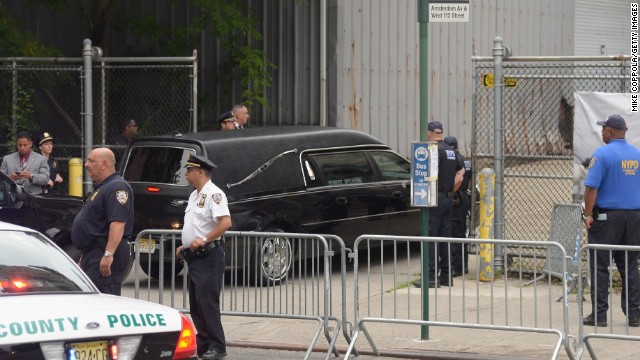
(157, 164)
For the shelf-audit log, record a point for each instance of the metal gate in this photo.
(537, 116)
(47, 94)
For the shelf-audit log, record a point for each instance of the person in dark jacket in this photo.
(128, 131)
(450, 174)
(459, 213)
(46, 148)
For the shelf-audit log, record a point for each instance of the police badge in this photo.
(217, 197)
(203, 197)
(122, 196)
(592, 162)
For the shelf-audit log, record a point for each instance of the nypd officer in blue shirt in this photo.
(612, 217)
(206, 219)
(102, 228)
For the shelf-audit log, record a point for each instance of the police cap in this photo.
(451, 141)
(434, 125)
(44, 137)
(225, 116)
(614, 121)
(199, 162)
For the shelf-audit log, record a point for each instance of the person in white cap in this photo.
(206, 219)
(46, 148)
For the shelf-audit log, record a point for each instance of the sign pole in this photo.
(423, 19)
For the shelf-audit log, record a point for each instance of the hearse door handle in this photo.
(341, 200)
(179, 202)
(397, 194)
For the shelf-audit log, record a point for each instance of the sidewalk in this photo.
(403, 341)
(382, 297)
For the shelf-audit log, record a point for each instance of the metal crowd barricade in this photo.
(162, 242)
(345, 254)
(385, 295)
(566, 229)
(269, 275)
(618, 327)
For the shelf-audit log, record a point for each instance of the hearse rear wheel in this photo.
(273, 256)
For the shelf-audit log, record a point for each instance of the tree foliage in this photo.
(234, 25)
(229, 21)
(14, 41)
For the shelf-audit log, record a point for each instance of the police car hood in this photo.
(40, 318)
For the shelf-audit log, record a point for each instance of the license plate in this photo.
(147, 246)
(95, 350)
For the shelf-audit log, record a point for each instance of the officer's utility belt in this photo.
(100, 243)
(448, 194)
(200, 252)
(604, 211)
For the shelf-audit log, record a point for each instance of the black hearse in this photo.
(301, 179)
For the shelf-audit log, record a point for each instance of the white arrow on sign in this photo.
(422, 193)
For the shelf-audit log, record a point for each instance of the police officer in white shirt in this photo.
(206, 219)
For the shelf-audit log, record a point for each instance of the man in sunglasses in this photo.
(450, 174)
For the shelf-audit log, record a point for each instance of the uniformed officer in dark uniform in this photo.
(226, 121)
(612, 217)
(450, 174)
(46, 148)
(459, 213)
(102, 228)
(206, 219)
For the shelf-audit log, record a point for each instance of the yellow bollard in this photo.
(76, 171)
(487, 197)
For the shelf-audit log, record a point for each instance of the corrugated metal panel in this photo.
(602, 27)
(377, 69)
(378, 61)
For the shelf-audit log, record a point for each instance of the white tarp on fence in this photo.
(595, 106)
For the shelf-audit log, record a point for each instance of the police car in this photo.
(49, 309)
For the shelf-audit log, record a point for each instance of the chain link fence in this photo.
(38, 95)
(538, 105)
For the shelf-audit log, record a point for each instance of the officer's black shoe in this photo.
(444, 280)
(457, 273)
(634, 322)
(432, 283)
(591, 321)
(213, 354)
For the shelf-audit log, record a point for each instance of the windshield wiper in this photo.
(262, 168)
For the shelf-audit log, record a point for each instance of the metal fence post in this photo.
(87, 53)
(14, 115)
(498, 151)
(194, 94)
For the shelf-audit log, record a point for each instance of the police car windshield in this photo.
(29, 263)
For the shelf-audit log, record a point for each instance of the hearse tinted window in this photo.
(157, 164)
(391, 166)
(345, 168)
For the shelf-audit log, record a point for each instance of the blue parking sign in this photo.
(422, 174)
